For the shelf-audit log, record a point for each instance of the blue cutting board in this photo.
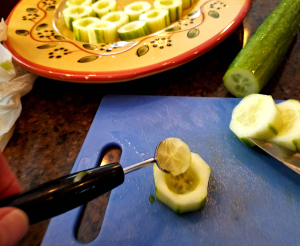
(252, 198)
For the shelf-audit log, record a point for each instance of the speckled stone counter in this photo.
(56, 116)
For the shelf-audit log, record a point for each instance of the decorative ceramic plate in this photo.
(41, 43)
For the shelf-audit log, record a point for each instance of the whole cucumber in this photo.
(259, 59)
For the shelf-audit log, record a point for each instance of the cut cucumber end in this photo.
(120, 18)
(240, 82)
(193, 197)
(256, 116)
(74, 13)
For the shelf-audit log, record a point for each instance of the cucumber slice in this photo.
(187, 3)
(103, 32)
(72, 3)
(132, 30)
(173, 155)
(81, 27)
(75, 13)
(186, 192)
(239, 82)
(255, 116)
(156, 19)
(289, 135)
(120, 18)
(173, 6)
(102, 7)
(135, 9)
(259, 59)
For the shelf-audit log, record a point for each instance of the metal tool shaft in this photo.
(139, 165)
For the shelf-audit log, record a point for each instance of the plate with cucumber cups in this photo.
(106, 41)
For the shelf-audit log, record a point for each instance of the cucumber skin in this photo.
(175, 13)
(99, 37)
(134, 34)
(246, 141)
(266, 49)
(178, 211)
(295, 142)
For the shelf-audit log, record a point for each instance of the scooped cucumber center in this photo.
(183, 183)
(76, 2)
(153, 14)
(78, 10)
(137, 7)
(85, 23)
(166, 2)
(173, 155)
(114, 18)
(102, 4)
(132, 26)
(102, 25)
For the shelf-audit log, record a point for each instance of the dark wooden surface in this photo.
(56, 116)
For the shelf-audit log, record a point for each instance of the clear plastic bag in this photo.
(15, 82)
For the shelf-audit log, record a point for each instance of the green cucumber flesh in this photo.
(182, 183)
(120, 18)
(259, 59)
(256, 116)
(186, 192)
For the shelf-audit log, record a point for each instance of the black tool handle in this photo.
(60, 195)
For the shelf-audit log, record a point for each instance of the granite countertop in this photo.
(56, 115)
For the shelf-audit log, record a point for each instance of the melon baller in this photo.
(65, 193)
